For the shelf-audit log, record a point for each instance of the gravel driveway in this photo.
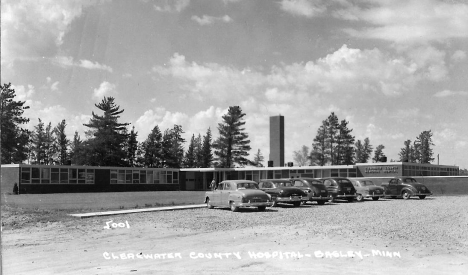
(430, 235)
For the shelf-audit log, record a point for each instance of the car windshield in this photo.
(409, 180)
(367, 183)
(246, 185)
(344, 181)
(309, 182)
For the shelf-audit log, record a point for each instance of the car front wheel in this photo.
(359, 197)
(234, 208)
(406, 195)
(422, 197)
(208, 204)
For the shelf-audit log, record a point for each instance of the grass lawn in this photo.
(101, 201)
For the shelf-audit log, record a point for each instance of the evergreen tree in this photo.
(378, 153)
(77, 156)
(198, 151)
(258, 159)
(132, 148)
(233, 146)
(302, 156)
(207, 155)
(152, 149)
(172, 147)
(189, 159)
(345, 142)
(363, 151)
(424, 141)
(332, 130)
(406, 152)
(38, 143)
(13, 139)
(315, 158)
(61, 143)
(106, 147)
(320, 152)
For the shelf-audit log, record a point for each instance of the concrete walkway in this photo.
(130, 211)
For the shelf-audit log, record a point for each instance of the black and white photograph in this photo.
(234, 137)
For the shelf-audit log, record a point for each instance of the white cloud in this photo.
(208, 20)
(34, 29)
(54, 86)
(23, 93)
(459, 56)
(446, 93)
(67, 61)
(172, 6)
(303, 7)
(105, 89)
(408, 21)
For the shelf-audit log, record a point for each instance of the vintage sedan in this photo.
(340, 188)
(314, 190)
(235, 194)
(365, 188)
(282, 191)
(406, 187)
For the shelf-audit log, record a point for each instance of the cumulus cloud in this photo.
(34, 29)
(307, 8)
(23, 92)
(208, 20)
(67, 61)
(447, 93)
(105, 89)
(171, 6)
(54, 86)
(404, 21)
(458, 56)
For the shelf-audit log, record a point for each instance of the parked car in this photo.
(236, 194)
(365, 188)
(406, 187)
(313, 189)
(282, 191)
(340, 188)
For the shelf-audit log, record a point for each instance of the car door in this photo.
(217, 194)
(392, 187)
(399, 186)
(226, 192)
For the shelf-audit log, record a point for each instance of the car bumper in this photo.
(373, 195)
(421, 194)
(288, 199)
(253, 204)
(315, 198)
(344, 196)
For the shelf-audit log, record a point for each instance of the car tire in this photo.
(350, 199)
(297, 204)
(359, 197)
(261, 208)
(393, 197)
(375, 198)
(208, 204)
(234, 208)
(321, 202)
(406, 195)
(422, 197)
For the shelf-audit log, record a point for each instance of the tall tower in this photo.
(277, 140)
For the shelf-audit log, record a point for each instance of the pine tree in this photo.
(132, 148)
(77, 156)
(14, 140)
(198, 151)
(258, 159)
(106, 145)
(302, 156)
(406, 152)
(345, 142)
(233, 146)
(424, 141)
(152, 149)
(61, 143)
(189, 159)
(363, 151)
(378, 153)
(320, 151)
(207, 155)
(332, 130)
(172, 147)
(38, 140)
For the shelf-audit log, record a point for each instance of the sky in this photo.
(392, 68)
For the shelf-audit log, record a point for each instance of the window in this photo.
(35, 175)
(298, 183)
(121, 177)
(72, 175)
(81, 176)
(25, 175)
(113, 176)
(175, 177)
(136, 176)
(63, 175)
(149, 177)
(227, 186)
(128, 176)
(142, 176)
(90, 176)
(334, 173)
(45, 175)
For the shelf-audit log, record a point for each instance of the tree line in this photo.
(108, 141)
(334, 144)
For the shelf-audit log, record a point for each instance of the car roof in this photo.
(239, 181)
(275, 180)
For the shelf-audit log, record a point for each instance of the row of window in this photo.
(143, 177)
(278, 174)
(57, 175)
